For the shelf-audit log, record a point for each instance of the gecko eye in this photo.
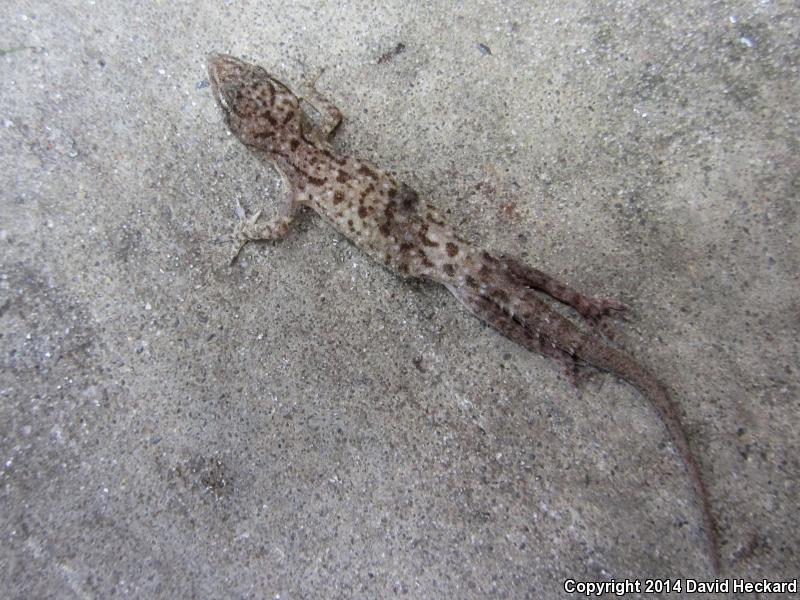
(232, 100)
(223, 96)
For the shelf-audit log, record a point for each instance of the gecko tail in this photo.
(499, 292)
(602, 356)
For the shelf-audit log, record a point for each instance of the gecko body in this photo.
(389, 221)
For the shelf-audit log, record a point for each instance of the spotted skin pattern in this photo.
(390, 222)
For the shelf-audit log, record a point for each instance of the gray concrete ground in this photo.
(305, 424)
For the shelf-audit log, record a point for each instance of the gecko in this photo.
(390, 222)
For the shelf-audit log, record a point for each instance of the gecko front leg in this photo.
(330, 115)
(248, 229)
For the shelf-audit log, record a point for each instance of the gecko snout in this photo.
(224, 69)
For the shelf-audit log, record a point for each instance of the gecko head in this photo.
(257, 108)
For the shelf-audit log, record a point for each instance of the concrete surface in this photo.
(304, 424)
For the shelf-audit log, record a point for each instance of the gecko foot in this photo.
(311, 83)
(594, 309)
(248, 229)
(243, 231)
(591, 309)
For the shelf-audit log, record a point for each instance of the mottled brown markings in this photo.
(342, 176)
(385, 229)
(405, 247)
(268, 116)
(500, 295)
(391, 192)
(338, 197)
(428, 242)
(432, 217)
(318, 181)
(423, 236)
(267, 87)
(304, 173)
(294, 143)
(388, 211)
(366, 192)
(350, 223)
(451, 249)
(408, 198)
(424, 258)
(365, 170)
(362, 212)
(450, 270)
(470, 281)
(287, 157)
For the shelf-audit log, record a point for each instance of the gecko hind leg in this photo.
(330, 115)
(591, 309)
(493, 314)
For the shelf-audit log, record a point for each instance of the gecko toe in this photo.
(241, 235)
(595, 309)
(238, 244)
(597, 312)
